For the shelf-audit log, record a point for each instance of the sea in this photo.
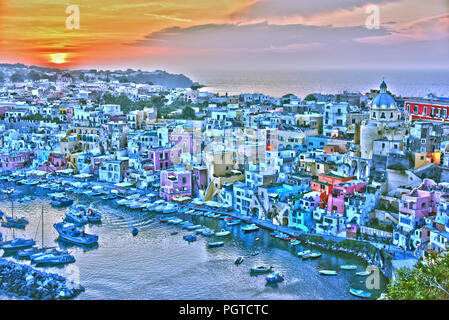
(276, 83)
(158, 265)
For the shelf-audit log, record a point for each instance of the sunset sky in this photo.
(183, 35)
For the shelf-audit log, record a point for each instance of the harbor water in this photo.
(158, 265)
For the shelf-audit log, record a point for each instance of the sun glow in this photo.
(58, 58)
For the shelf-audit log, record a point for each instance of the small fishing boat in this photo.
(163, 219)
(261, 269)
(363, 273)
(75, 216)
(315, 255)
(233, 222)
(17, 244)
(306, 256)
(208, 232)
(302, 253)
(224, 217)
(26, 253)
(275, 234)
(170, 208)
(189, 238)
(93, 216)
(174, 233)
(215, 215)
(215, 244)
(134, 231)
(360, 293)
(275, 277)
(328, 272)
(69, 232)
(199, 231)
(250, 228)
(284, 237)
(348, 267)
(176, 221)
(295, 242)
(238, 261)
(223, 233)
(54, 257)
(7, 224)
(186, 224)
(17, 221)
(194, 227)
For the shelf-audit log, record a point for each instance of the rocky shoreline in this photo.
(334, 247)
(25, 281)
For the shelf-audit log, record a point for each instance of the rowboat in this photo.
(261, 269)
(328, 272)
(223, 233)
(348, 267)
(215, 244)
(275, 277)
(302, 253)
(359, 293)
(363, 273)
(250, 228)
(233, 222)
(315, 255)
(295, 242)
(239, 260)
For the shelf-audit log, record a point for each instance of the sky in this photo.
(185, 35)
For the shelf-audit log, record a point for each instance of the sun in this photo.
(58, 58)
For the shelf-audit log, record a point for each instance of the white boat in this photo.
(160, 208)
(303, 253)
(328, 272)
(249, 228)
(315, 255)
(363, 273)
(222, 233)
(360, 293)
(348, 267)
(170, 208)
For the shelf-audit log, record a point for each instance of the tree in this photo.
(310, 97)
(17, 77)
(427, 281)
(188, 113)
(33, 75)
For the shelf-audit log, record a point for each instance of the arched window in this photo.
(374, 115)
(382, 116)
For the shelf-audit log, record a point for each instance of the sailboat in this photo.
(50, 256)
(12, 222)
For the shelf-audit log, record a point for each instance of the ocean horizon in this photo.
(401, 82)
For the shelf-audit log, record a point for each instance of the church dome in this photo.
(383, 100)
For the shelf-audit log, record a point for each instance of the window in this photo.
(425, 111)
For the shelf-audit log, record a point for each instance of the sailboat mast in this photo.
(42, 218)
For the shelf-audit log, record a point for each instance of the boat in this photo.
(224, 217)
(199, 231)
(75, 216)
(215, 215)
(170, 208)
(238, 261)
(275, 234)
(208, 232)
(363, 273)
(189, 238)
(275, 277)
(284, 237)
(194, 227)
(69, 232)
(17, 244)
(62, 202)
(233, 222)
(261, 269)
(53, 257)
(302, 253)
(93, 216)
(26, 253)
(348, 267)
(360, 293)
(174, 233)
(176, 221)
(295, 242)
(250, 228)
(186, 224)
(7, 224)
(163, 219)
(306, 256)
(222, 233)
(328, 272)
(315, 255)
(134, 231)
(215, 244)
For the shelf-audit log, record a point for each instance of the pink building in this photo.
(16, 160)
(421, 202)
(175, 184)
(336, 200)
(158, 159)
(56, 161)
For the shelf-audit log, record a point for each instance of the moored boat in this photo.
(238, 261)
(328, 272)
(222, 233)
(360, 293)
(275, 277)
(302, 253)
(215, 244)
(315, 255)
(363, 273)
(189, 238)
(250, 228)
(233, 222)
(348, 267)
(261, 269)
(17, 244)
(69, 232)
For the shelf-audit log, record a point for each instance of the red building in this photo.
(325, 185)
(426, 109)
